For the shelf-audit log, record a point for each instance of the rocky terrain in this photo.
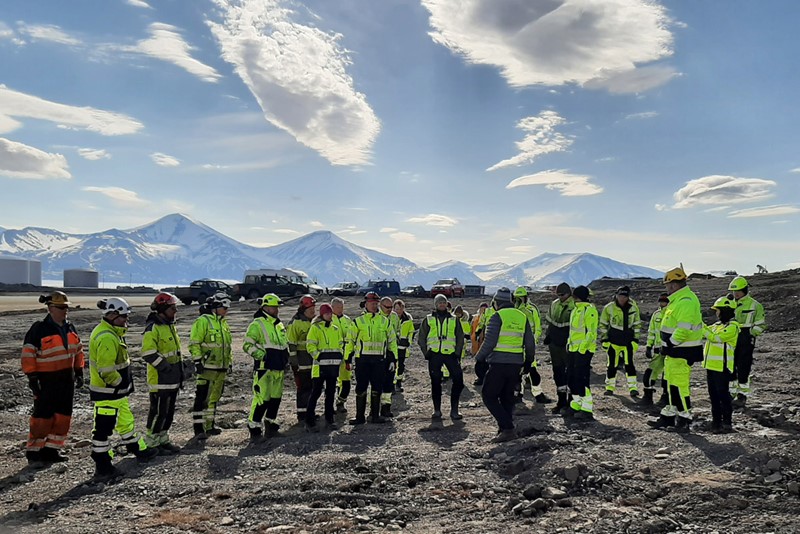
(613, 475)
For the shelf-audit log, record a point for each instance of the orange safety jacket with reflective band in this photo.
(45, 351)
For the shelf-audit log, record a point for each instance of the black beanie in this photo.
(581, 292)
(624, 290)
(563, 289)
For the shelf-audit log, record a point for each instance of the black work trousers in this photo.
(498, 392)
(370, 372)
(721, 402)
(560, 358)
(453, 365)
(162, 410)
(579, 369)
(328, 375)
(743, 358)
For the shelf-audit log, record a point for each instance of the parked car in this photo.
(414, 291)
(449, 287)
(255, 286)
(199, 290)
(381, 287)
(344, 289)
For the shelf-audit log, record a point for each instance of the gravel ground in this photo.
(613, 475)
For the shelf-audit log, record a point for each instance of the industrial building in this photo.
(81, 278)
(15, 270)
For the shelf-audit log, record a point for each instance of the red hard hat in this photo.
(307, 301)
(163, 301)
(372, 296)
(325, 308)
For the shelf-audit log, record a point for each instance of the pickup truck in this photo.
(199, 290)
(256, 286)
(449, 287)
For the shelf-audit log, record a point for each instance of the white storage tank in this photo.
(20, 271)
(81, 278)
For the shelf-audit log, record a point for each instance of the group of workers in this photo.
(325, 349)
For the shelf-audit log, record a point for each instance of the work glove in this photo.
(391, 366)
(198, 367)
(79, 378)
(657, 350)
(348, 366)
(648, 352)
(527, 367)
(546, 340)
(428, 355)
(34, 385)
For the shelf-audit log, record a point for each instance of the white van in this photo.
(293, 275)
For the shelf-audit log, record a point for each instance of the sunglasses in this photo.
(60, 306)
(386, 307)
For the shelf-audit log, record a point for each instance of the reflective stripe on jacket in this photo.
(750, 316)
(558, 319)
(441, 340)
(720, 344)
(682, 326)
(654, 331)
(45, 350)
(583, 329)
(618, 325)
(210, 342)
(109, 364)
(265, 342)
(160, 343)
(373, 335)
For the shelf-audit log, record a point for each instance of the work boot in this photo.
(647, 399)
(52, 456)
(340, 407)
(634, 393)
(664, 399)
(739, 401)
(386, 411)
(214, 431)
(374, 409)
(505, 435)
(311, 427)
(361, 410)
(103, 470)
(682, 425)
(145, 455)
(399, 386)
(726, 428)
(562, 401)
(716, 427)
(331, 425)
(584, 416)
(455, 416)
(168, 449)
(608, 392)
(541, 398)
(519, 398)
(255, 435)
(662, 422)
(477, 382)
(437, 415)
(273, 430)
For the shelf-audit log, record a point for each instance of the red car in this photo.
(449, 287)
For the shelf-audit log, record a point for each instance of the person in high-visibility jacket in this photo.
(387, 310)
(161, 349)
(210, 347)
(325, 343)
(619, 331)
(466, 324)
(476, 329)
(532, 379)
(374, 349)
(110, 385)
(345, 324)
(581, 344)
(265, 341)
(404, 340)
(508, 348)
(718, 356)
(299, 358)
(655, 370)
(53, 361)
(557, 319)
(441, 340)
(480, 334)
(750, 316)
(682, 345)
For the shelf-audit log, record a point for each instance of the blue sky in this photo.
(476, 130)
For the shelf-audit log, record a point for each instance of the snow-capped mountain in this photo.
(575, 269)
(178, 249)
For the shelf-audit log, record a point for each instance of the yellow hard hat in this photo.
(723, 302)
(738, 284)
(271, 299)
(56, 298)
(675, 275)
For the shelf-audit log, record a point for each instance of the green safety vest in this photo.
(443, 342)
(512, 331)
(720, 344)
(265, 341)
(583, 329)
(374, 336)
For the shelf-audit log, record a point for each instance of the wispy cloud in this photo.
(566, 183)
(47, 32)
(22, 161)
(316, 224)
(298, 74)
(16, 104)
(765, 211)
(633, 81)
(520, 249)
(164, 160)
(138, 3)
(541, 138)
(5, 31)
(722, 190)
(94, 154)
(403, 237)
(120, 196)
(434, 219)
(642, 115)
(167, 44)
(387, 230)
(795, 170)
(285, 231)
(557, 42)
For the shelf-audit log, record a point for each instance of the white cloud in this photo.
(23, 161)
(434, 219)
(164, 160)
(522, 249)
(5, 31)
(316, 224)
(764, 211)
(358, 232)
(569, 185)
(285, 231)
(387, 230)
(403, 237)
(138, 3)
(718, 189)
(642, 115)
(795, 170)
(298, 75)
(7, 124)
(16, 104)
(633, 81)
(167, 44)
(556, 42)
(541, 138)
(48, 32)
(120, 196)
(94, 154)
